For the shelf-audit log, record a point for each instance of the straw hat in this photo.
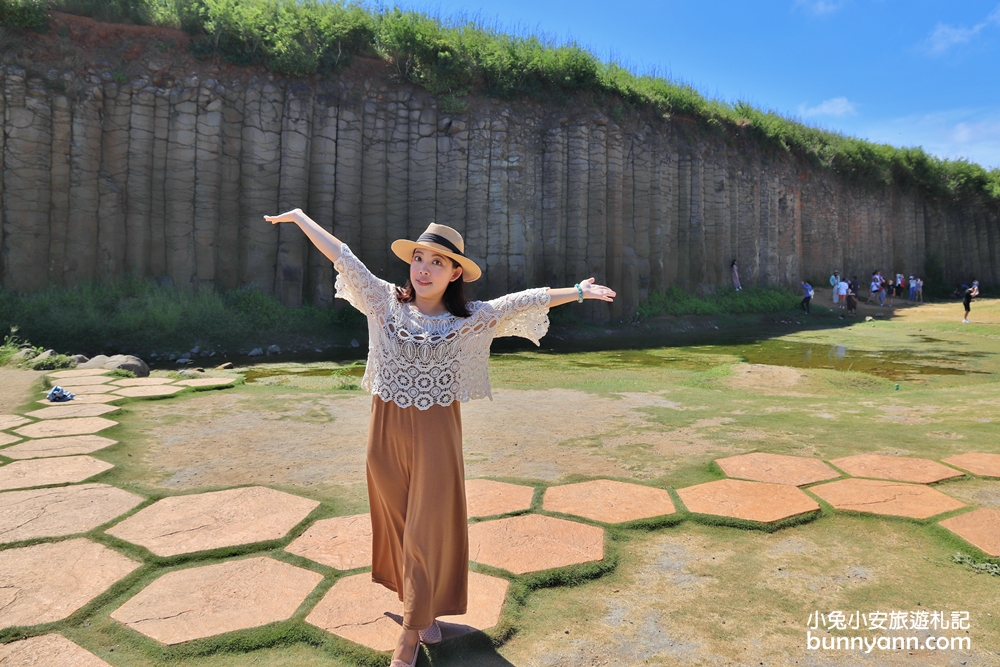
(444, 240)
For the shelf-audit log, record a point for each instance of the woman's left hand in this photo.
(592, 291)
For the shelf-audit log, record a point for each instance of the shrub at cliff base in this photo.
(675, 301)
(452, 58)
(140, 317)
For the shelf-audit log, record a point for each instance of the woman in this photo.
(428, 353)
(736, 276)
(970, 294)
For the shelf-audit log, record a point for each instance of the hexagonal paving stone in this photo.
(145, 392)
(184, 524)
(608, 501)
(205, 601)
(356, 608)
(980, 527)
(6, 439)
(66, 510)
(51, 447)
(86, 380)
(484, 497)
(48, 582)
(48, 650)
(142, 382)
(10, 421)
(978, 463)
(41, 472)
(69, 409)
(343, 543)
(59, 427)
(894, 498)
(84, 398)
(78, 372)
(205, 382)
(751, 501)
(777, 468)
(899, 468)
(530, 542)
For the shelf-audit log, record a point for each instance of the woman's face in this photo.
(430, 273)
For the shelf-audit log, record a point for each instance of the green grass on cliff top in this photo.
(452, 58)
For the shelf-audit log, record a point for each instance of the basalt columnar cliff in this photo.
(105, 175)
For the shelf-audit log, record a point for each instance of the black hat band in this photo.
(440, 240)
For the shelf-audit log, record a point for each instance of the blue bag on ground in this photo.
(58, 395)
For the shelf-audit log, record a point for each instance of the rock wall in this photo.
(102, 178)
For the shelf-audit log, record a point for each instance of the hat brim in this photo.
(403, 248)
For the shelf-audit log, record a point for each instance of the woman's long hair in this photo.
(454, 295)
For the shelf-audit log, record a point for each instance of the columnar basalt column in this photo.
(422, 178)
(322, 190)
(519, 257)
(553, 195)
(260, 180)
(398, 176)
(27, 178)
(112, 183)
(84, 163)
(208, 180)
(597, 215)
(179, 185)
(373, 186)
(452, 172)
(139, 179)
(477, 200)
(497, 230)
(347, 200)
(641, 205)
(619, 213)
(62, 137)
(293, 192)
(577, 193)
(158, 207)
(230, 195)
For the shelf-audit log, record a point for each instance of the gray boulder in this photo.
(22, 355)
(95, 362)
(127, 362)
(80, 359)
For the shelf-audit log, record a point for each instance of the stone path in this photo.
(46, 582)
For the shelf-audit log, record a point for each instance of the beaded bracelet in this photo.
(579, 290)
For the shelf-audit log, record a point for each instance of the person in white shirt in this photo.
(842, 293)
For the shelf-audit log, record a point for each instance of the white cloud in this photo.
(946, 36)
(820, 7)
(838, 106)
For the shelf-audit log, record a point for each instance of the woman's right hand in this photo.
(295, 215)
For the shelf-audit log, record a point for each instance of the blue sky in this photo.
(907, 73)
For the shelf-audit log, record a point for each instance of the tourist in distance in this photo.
(807, 295)
(920, 290)
(970, 294)
(736, 276)
(852, 299)
(834, 281)
(842, 289)
(428, 353)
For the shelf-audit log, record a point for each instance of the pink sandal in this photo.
(431, 635)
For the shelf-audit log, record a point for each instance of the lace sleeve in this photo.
(524, 314)
(359, 286)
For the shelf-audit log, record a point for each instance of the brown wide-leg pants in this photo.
(416, 490)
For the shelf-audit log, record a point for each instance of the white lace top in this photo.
(425, 360)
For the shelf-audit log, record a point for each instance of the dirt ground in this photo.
(307, 439)
(16, 387)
